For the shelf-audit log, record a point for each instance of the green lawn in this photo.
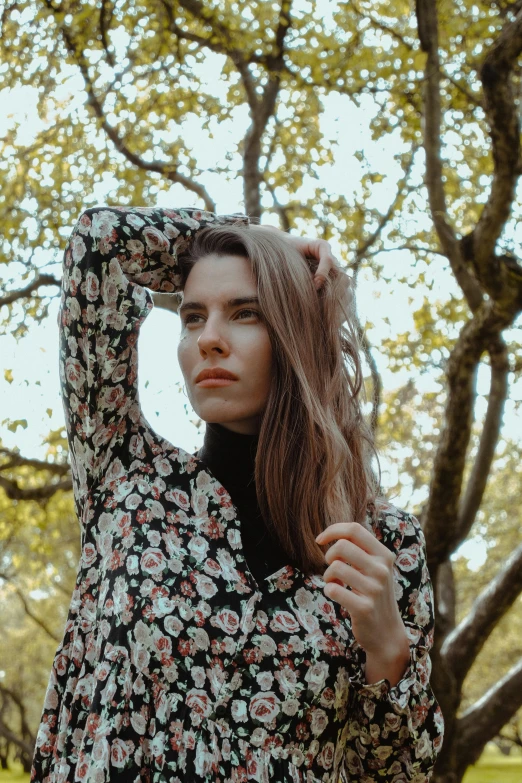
(491, 768)
(495, 771)
(14, 775)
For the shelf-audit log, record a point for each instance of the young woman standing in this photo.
(255, 611)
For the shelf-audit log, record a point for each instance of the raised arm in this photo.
(113, 255)
(397, 732)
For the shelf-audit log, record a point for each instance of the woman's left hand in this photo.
(311, 247)
(360, 562)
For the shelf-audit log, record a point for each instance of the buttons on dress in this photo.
(221, 710)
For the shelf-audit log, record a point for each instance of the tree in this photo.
(119, 84)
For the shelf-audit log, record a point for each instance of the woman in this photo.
(211, 637)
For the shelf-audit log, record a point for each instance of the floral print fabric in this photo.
(176, 665)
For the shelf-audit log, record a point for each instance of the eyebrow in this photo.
(240, 300)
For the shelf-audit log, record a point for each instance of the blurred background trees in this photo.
(254, 106)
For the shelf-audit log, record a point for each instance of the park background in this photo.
(378, 126)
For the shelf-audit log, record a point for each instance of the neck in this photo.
(229, 455)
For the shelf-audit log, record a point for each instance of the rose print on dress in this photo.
(175, 665)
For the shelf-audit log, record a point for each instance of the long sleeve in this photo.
(112, 257)
(396, 733)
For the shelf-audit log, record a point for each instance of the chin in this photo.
(246, 421)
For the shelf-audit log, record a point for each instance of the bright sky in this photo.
(34, 393)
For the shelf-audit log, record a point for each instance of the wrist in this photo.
(389, 662)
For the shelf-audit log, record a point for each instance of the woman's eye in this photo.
(249, 313)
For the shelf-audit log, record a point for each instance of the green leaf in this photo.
(13, 425)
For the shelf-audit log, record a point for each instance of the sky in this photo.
(34, 392)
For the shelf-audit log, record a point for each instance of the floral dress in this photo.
(176, 666)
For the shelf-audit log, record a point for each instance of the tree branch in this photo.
(427, 22)
(16, 461)
(463, 645)
(25, 293)
(261, 111)
(169, 171)
(488, 715)
(386, 28)
(439, 515)
(429, 39)
(35, 617)
(407, 246)
(363, 248)
(25, 746)
(501, 113)
(106, 13)
(15, 492)
(472, 497)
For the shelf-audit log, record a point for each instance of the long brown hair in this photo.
(313, 462)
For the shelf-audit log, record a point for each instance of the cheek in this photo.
(263, 362)
(185, 355)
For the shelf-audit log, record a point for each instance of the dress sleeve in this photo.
(112, 257)
(397, 732)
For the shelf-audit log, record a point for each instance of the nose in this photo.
(211, 340)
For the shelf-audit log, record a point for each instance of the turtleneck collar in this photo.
(230, 456)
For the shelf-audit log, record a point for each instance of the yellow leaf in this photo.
(13, 425)
(8, 376)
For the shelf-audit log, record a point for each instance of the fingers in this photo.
(327, 261)
(352, 531)
(347, 576)
(318, 249)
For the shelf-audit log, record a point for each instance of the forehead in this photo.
(219, 277)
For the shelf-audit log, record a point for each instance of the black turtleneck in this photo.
(230, 457)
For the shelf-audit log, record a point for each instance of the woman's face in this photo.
(218, 333)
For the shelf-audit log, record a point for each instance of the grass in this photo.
(492, 767)
(14, 775)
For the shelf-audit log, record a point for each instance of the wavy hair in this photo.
(313, 462)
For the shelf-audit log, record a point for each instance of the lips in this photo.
(216, 372)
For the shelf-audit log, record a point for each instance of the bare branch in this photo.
(501, 112)
(25, 293)
(261, 112)
(488, 715)
(281, 210)
(406, 246)
(429, 38)
(14, 492)
(463, 645)
(29, 612)
(363, 248)
(439, 515)
(472, 497)
(26, 742)
(16, 461)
